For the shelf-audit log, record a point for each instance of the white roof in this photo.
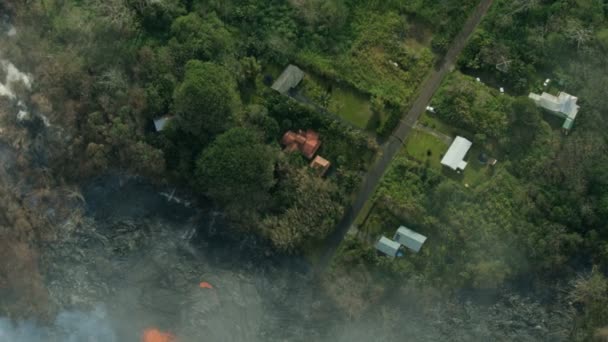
(409, 238)
(388, 246)
(160, 123)
(562, 103)
(453, 158)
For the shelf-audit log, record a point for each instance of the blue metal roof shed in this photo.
(409, 238)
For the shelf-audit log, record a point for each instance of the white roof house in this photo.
(454, 157)
(290, 78)
(409, 238)
(388, 246)
(161, 122)
(564, 105)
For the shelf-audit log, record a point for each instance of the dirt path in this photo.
(443, 137)
(394, 143)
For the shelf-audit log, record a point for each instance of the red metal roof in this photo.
(307, 142)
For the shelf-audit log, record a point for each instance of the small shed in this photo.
(454, 157)
(290, 78)
(161, 122)
(388, 247)
(321, 165)
(409, 239)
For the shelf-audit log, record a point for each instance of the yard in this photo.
(375, 63)
(425, 148)
(342, 100)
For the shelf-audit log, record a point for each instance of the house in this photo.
(290, 78)
(563, 105)
(454, 157)
(409, 239)
(306, 142)
(161, 122)
(388, 247)
(321, 165)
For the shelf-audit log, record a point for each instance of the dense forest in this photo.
(537, 221)
(104, 71)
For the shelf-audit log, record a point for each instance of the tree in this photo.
(237, 169)
(205, 101)
(200, 38)
(592, 293)
(313, 213)
(257, 117)
(157, 15)
(525, 124)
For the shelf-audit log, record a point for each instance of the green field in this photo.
(351, 106)
(425, 147)
(342, 100)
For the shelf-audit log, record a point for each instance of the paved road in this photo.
(394, 143)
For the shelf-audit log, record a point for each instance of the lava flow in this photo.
(155, 335)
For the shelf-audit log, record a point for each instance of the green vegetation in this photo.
(470, 105)
(538, 215)
(425, 148)
(109, 70)
(347, 103)
(206, 99)
(103, 71)
(237, 168)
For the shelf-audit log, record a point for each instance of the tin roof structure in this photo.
(388, 246)
(409, 239)
(563, 105)
(290, 78)
(454, 157)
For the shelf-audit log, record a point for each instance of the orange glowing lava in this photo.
(155, 335)
(205, 285)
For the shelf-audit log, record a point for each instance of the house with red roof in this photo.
(306, 142)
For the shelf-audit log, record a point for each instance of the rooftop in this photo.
(409, 238)
(454, 157)
(161, 122)
(307, 142)
(563, 104)
(321, 164)
(290, 78)
(388, 246)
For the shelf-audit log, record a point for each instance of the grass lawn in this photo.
(353, 107)
(341, 100)
(425, 147)
(475, 173)
(429, 120)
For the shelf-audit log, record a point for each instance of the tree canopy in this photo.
(206, 99)
(237, 168)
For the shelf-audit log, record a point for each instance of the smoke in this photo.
(13, 77)
(69, 326)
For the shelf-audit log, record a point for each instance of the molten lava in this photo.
(205, 285)
(155, 335)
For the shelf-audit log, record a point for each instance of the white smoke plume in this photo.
(71, 326)
(13, 76)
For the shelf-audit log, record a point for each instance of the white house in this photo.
(563, 105)
(409, 239)
(388, 247)
(454, 157)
